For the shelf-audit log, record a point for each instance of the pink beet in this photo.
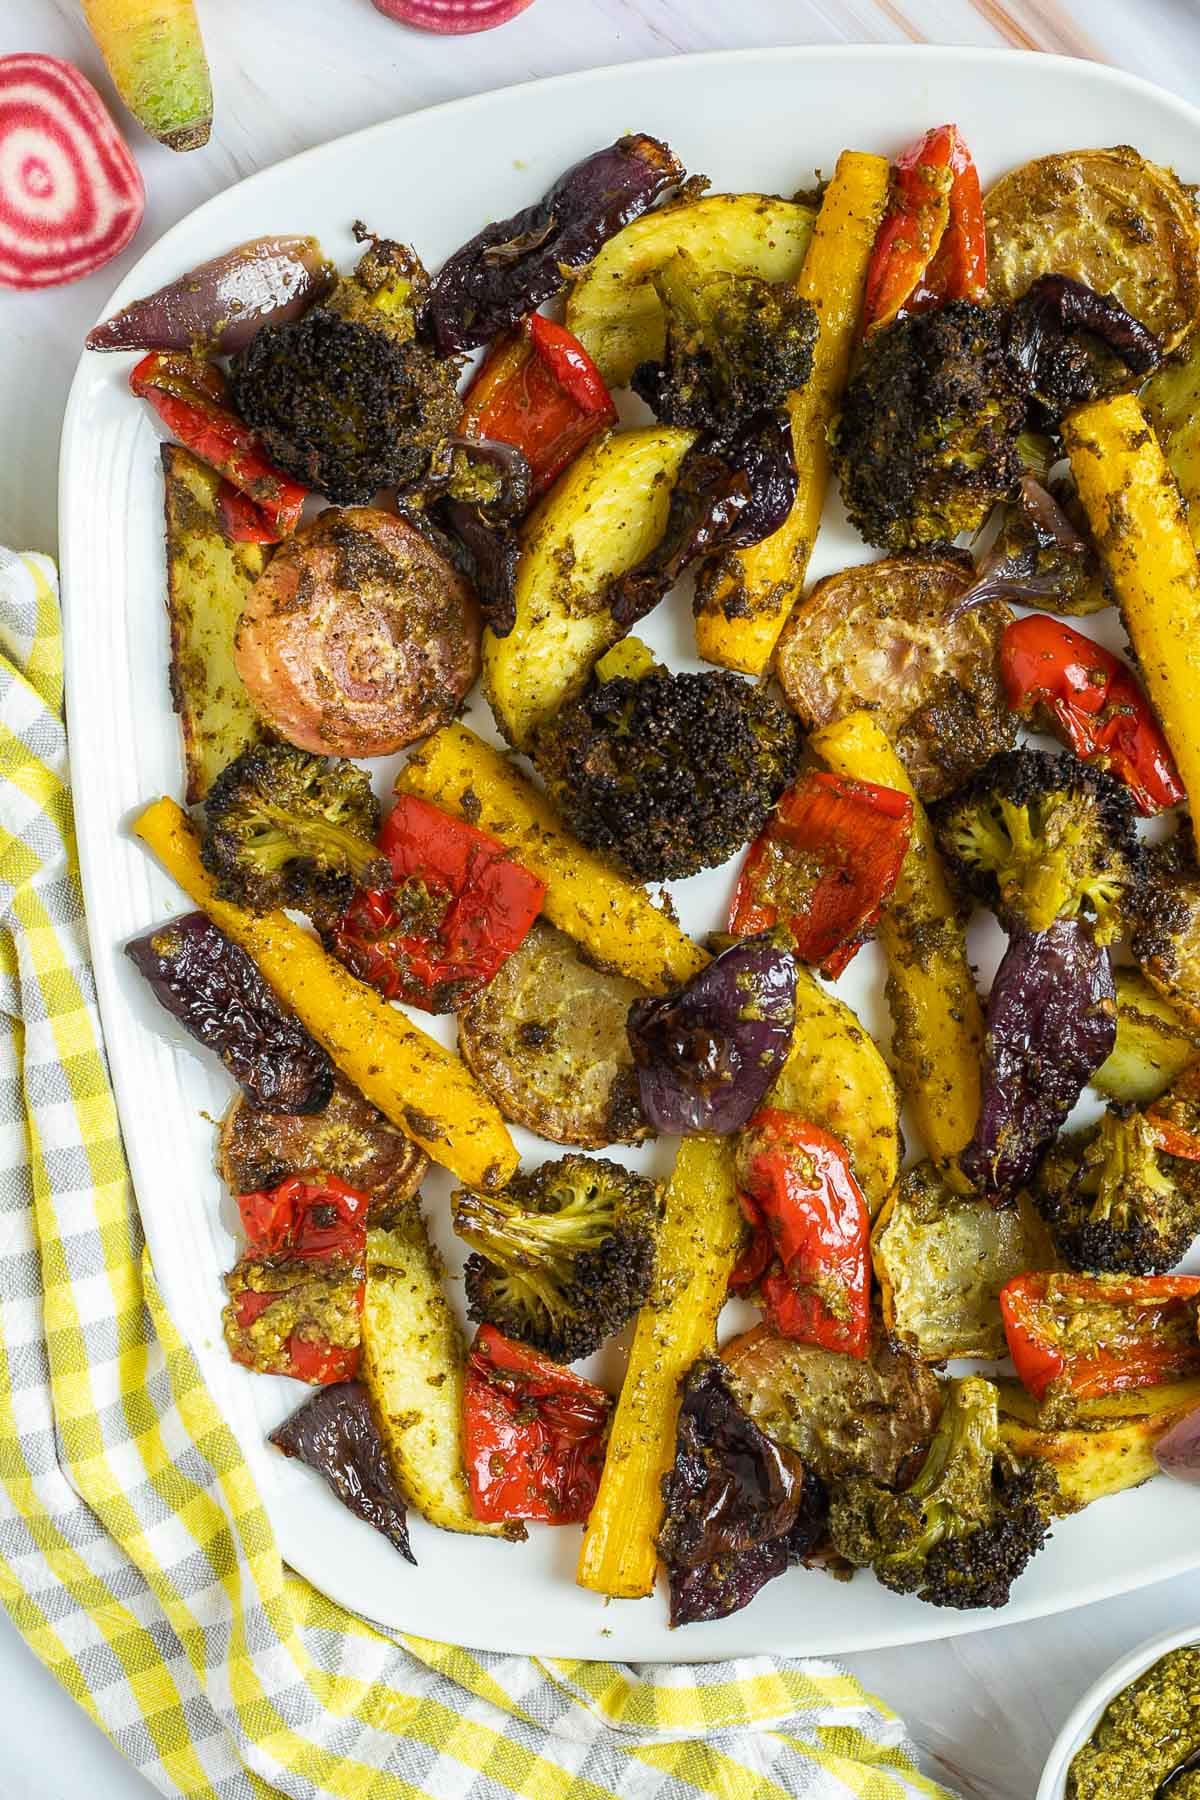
(451, 15)
(71, 195)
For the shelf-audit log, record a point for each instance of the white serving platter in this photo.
(756, 120)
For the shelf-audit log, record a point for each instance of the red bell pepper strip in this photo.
(189, 397)
(809, 1256)
(459, 909)
(1094, 703)
(540, 390)
(310, 1219)
(242, 521)
(533, 1432)
(826, 862)
(931, 246)
(1088, 1335)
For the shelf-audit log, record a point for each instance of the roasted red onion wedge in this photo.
(218, 306)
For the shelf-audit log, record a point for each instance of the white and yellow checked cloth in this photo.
(135, 1555)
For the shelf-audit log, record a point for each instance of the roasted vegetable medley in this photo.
(366, 536)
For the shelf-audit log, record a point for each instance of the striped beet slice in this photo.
(71, 195)
(451, 15)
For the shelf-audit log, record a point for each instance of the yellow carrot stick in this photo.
(698, 1244)
(1138, 521)
(155, 55)
(606, 912)
(422, 1088)
(743, 597)
(937, 1022)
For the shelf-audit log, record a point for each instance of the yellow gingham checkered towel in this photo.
(135, 1555)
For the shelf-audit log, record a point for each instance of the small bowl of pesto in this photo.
(1136, 1733)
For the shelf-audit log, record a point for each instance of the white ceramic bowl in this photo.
(1086, 1716)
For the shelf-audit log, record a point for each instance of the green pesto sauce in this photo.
(1149, 1729)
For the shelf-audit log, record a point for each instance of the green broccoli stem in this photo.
(284, 836)
(516, 1238)
(1126, 1152)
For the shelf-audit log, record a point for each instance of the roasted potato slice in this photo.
(877, 638)
(607, 511)
(612, 307)
(412, 1363)
(1109, 218)
(843, 1415)
(835, 1075)
(350, 1139)
(209, 578)
(1107, 1447)
(1172, 399)
(547, 1040)
(941, 1259)
(1155, 1043)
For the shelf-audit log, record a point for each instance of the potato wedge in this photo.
(1109, 218)
(1172, 399)
(603, 910)
(605, 513)
(1109, 1446)
(1155, 1043)
(412, 1363)
(612, 307)
(425, 1090)
(843, 1415)
(835, 1075)
(546, 1039)
(209, 579)
(350, 1139)
(941, 1259)
(877, 637)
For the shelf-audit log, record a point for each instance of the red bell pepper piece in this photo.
(189, 397)
(306, 1352)
(540, 390)
(1094, 703)
(309, 1219)
(809, 1256)
(534, 1434)
(931, 246)
(1088, 1335)
(242, 521)
(459, 909)
(826, 862)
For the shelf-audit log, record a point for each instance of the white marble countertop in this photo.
(291, 73)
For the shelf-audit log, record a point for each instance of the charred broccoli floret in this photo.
(564, 1257)
(926, 443)
(735, 345)
(1040, 837)
(1165, 938)
(345, 398)
(1115, 1204)
(285, 828)
(668, 773)
(969, 1523)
